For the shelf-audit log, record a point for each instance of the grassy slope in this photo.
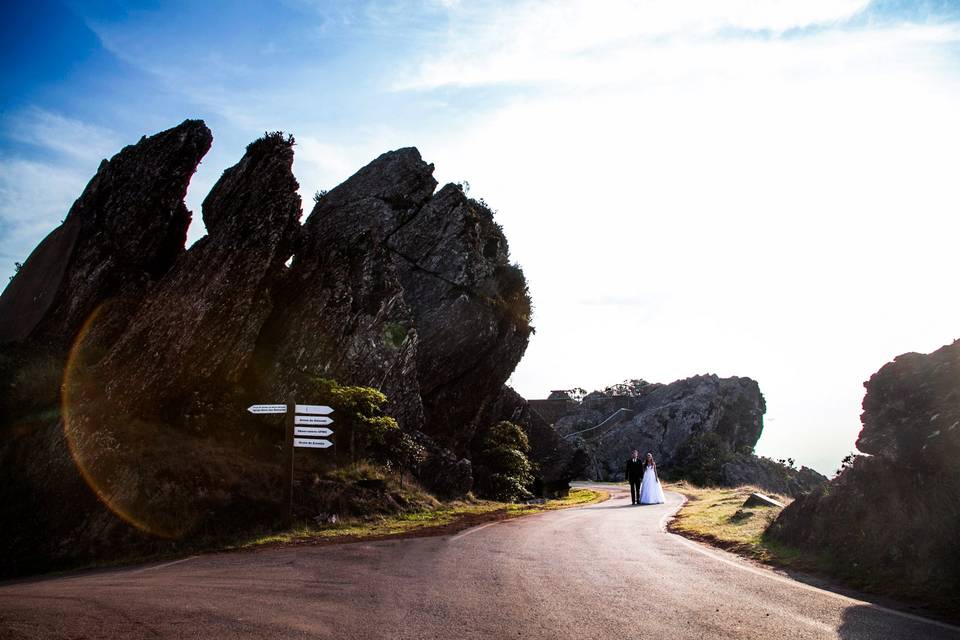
(715, 516)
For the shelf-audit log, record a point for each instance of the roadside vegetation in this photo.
(444, 519)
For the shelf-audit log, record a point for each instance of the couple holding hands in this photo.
(644, 484)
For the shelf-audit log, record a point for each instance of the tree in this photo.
(362, 430)
(505, 471)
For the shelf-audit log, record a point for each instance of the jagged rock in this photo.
(343, 310)
(770, 475)
(911, 412)
(195, 332)
(124, 231)
(892, 517)
(467, 300)
(390, 282)
(664, 418)
(555, 459)
(391, 286)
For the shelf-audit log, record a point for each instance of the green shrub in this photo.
(361, 429)
(504, 471)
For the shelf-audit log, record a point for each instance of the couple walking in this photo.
(644, 484)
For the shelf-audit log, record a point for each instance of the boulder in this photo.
(891, 518)
(911, 411)
(761, 500)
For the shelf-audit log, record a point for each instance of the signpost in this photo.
(312, 443)
(318, 409)
(319, 432)
(312, 420)
(267, 408)
(316, 414)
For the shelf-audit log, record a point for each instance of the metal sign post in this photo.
(317, 416)
(288, 463)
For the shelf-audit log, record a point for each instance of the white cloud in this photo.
(61, 135)
(583, 42)
(779, 208)
(34, 198)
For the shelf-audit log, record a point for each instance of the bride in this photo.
(650, 491)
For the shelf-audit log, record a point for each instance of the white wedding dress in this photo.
(650, 491)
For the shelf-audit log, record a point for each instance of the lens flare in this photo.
(99, 443)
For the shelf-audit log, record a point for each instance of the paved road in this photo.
(605, 571)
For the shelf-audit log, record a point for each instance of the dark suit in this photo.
(635, 469)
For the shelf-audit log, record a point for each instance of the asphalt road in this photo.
(604, 571)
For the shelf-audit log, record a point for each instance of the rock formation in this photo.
(122, 345)
(891, 517)
(122, 233)
(702, 428)
(406, 290)
(195, 332)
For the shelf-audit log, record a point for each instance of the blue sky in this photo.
(745, 188)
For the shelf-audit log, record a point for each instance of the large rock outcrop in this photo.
(122, 233)
(406, 290)
(890, 519)
(132, 359)
(702, 429)
(194, 334)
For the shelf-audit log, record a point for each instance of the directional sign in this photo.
(312, 431)
(267, 408)
(314, 409)
(310, 443)
(312, 420)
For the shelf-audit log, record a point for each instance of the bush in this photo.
(361, 429)
(506, 472)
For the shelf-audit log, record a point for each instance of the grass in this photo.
(716, 515)
(448, 518)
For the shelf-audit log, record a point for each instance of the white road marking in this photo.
(168, 564)
(475, 529)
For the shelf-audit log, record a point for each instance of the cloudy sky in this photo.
(755, 188)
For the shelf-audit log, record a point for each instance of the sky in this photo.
(762, 189)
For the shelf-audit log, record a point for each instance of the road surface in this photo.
(604, 571)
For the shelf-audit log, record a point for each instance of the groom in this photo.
(635, 476)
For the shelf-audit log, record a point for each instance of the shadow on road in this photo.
(865, 622)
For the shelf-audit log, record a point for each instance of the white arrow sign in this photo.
(267, 408)
(312, 420)
(314, 408)
(310, 443)
(312, 431)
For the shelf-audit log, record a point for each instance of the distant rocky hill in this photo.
(890, 519)
(701, 429)
(388, 283)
